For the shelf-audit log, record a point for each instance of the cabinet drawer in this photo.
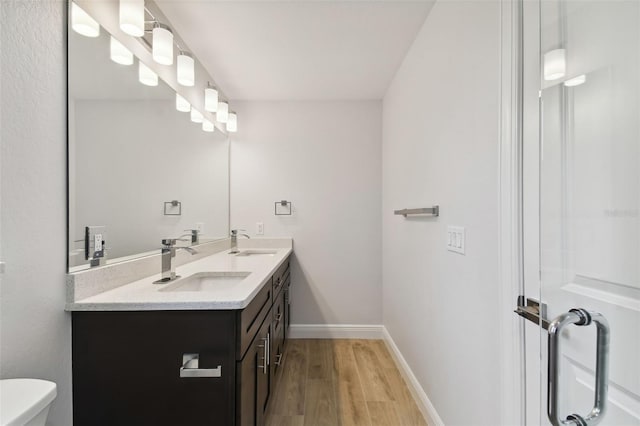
(251, 318)
(279, 278)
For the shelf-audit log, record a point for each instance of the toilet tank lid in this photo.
(23, 399)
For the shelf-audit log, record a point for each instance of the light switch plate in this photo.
(455, 239)
(259, 228)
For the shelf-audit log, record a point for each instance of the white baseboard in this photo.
(423, 402)
(335, 331)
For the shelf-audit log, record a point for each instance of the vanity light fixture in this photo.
(82, 23)
(196, 116)
(132, 17)
(120, 54)
(222, 113)
(232, 122)
(186, 69)
(182, 104)
(207, 126)
(555, 64)
(146, 75)
(576, 81)
(162, 42)
(210, 98)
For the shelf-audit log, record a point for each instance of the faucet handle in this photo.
(169, 242)
(235, 231)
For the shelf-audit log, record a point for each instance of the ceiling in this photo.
(298, 49)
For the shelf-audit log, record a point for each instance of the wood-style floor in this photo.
(340, 383)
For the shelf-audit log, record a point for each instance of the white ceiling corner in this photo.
(299, 50)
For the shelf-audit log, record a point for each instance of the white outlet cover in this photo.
(259, 228)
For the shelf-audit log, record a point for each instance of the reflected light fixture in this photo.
(186, 69)
(555, 64)
(162, 44)
(182, 104)
(207, 126)
(576, 81)
(119, 53)
(222, 113)
(82, 23)
(146, 75)
(132, 17)
(196, 116)
(232, 122)
(210, 98)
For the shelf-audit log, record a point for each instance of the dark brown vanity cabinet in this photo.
(180, 367)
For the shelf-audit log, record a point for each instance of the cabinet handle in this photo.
(265, 354)
(190, 367)
(278, 360)
(278, 318)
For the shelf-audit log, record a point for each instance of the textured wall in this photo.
(325, 158)
(35, 332)
(440, 146)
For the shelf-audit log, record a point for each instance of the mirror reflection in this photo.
(139, 170)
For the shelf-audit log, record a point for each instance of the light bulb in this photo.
(196, 116)
(82, 23)
(555, 64)
(120, 54)
(162, 44)
(132, 17)
(232, 122)
(576, 81)
(182, 104)
(186, 73)
(210, 99)
(222, 113)
(146, 75)
(207, 126)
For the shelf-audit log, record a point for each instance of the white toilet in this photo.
(25, 402)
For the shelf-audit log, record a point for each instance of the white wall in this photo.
(440, 146)
(35, 332)
(131, 157)
(324, 157)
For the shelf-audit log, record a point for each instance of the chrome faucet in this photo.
(194, 235)
(234, 240)
(168, 252)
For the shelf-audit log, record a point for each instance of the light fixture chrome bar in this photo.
(433, 211)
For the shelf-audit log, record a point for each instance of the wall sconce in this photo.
(82, 23)
(186, 69)
(146, 76)
(162, 42)
(210, 98)
(222, 113)
(232, 122)
(120, 54)
(555, 64)
(132, 17)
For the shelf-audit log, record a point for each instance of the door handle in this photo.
(579, 317)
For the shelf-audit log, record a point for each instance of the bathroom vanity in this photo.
(202, 350)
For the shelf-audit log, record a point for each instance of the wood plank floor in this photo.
(341, 383)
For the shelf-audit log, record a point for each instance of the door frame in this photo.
(511, 326)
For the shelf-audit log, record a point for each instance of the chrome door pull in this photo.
(190, 367)
(580, 317)
(265, 354)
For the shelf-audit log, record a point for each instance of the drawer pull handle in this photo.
(190, 367)
(278, 360)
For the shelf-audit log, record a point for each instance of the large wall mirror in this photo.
(130, 153)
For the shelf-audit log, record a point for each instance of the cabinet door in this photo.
(287, 308)
(263, 372)
(247, 373)
(277, 335)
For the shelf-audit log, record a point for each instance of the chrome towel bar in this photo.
(433, 211)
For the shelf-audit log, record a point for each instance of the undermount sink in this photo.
(256, 253)
(208, 281)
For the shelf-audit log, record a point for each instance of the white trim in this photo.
(422, 400)
(335, 331)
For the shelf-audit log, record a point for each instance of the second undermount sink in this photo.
(257, 253)
(208, 281)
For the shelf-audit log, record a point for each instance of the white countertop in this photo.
(143, 295)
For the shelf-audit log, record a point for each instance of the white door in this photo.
(581, 171)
